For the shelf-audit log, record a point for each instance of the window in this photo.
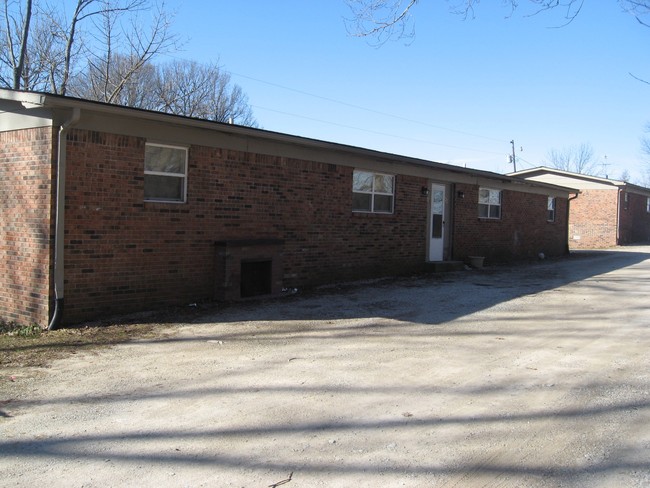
(550, 213)
(165, 173)
(372, 192)
(489, 203)
(626, 200)
(647, 204)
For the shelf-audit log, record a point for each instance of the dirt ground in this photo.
(534, 375)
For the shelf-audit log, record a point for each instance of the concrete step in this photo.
(443, 266)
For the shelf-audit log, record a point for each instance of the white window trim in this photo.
(489, 205)
(372, 193)
(171, 175)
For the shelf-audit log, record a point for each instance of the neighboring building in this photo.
(606, 213)
(113, 209)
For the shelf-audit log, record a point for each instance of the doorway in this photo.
(437, 229)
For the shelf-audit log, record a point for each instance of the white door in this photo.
(437, 223)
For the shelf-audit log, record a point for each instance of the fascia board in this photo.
(26, 99)
(97, 115)
(639, 190)
(14, 116)
(543, 170)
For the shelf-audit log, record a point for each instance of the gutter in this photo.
(454, 174)
(60, 219)
(568, 221)
(618, 216)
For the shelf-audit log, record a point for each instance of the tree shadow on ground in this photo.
(429, 299)
(415, 314)
(157, 447)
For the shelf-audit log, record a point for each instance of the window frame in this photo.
(647, 204)
(550, 212)
(167, 174)
(373, 193)
(489, 205)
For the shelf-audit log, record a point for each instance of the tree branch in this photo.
(639, 79)
(380, 18)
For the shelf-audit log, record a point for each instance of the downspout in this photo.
(618, 217)
(59, 230)
(568, 217)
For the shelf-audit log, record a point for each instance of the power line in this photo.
(520, 159)
(366, 109)
(373, 131)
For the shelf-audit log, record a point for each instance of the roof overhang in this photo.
(581, 178)
(97, 116)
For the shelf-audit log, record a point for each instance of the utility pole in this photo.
(514, 161)
(605, 164)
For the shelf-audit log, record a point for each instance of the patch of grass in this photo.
(22, 346)
(14, 329)
(25, 346)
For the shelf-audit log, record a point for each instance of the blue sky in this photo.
(457, 93)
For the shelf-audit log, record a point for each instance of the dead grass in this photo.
(27, 347)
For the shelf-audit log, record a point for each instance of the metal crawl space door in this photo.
(437, 223)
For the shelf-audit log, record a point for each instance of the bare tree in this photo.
(37, 44)
(202, 91)
(49, 64)
(576, 159)
(16, 20)
(19, 62)
(645, 149)
(393, 19)
(382, 20)
(180, 87)
(138, 90)
(41, 50)
(120, 55)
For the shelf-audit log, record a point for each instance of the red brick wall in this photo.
(26, 190)
(594, 219)
(124, 254)
(522, 231)
(635, 219)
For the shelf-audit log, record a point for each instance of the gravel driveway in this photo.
(536, 375)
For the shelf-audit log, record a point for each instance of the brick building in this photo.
(111, 209)
(606, 213)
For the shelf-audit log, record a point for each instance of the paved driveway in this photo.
(537, 375)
